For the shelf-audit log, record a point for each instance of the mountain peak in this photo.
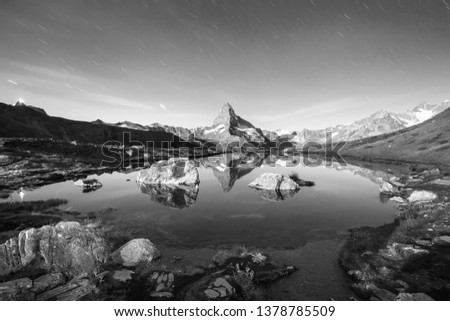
(226, 115)
(380, 114)
(20, 103)
(422, 105)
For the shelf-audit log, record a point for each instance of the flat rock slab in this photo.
(441, 182)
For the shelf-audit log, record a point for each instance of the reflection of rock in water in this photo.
(276, 195)
(172, 196)
(384, 198)
(172, 183)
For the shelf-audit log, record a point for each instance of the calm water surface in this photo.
(306, 229)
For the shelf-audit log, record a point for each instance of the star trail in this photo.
(282, 64)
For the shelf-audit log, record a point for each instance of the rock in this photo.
(413, 297)
(422, 242)
(396, 182)
(275, 187)
(422, 196)
(88, 185)
(13, 290)
(442, 240)
(68, 247)
(134, 252)
(212, 294)
(381, 294)
(47, 282)
(221, 282)
(388, 188)
(162, 295)
(123, 275)
(170, 172)
(160, 287)
(272, 181)
(397, 199)
(396, 251)
(431, 172)
(441, 182)
(74, 290)
(356, 274)
(222, 291)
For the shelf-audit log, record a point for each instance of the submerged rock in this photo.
(422, 196)
(170, 172)
(134, 252)
(68, 247)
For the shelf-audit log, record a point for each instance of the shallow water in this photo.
(228, 213)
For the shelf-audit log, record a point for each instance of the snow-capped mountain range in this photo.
(381, 122)
(229, 127)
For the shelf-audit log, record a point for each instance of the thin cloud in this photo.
(163, 107)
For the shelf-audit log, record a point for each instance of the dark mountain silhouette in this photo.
(32, 122)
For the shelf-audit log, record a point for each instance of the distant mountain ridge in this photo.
(426, 142)
(228, 127)
(381, 122)
(23, 121)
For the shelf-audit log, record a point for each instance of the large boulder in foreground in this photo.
(68, 247)
(275, 187)
(170, 172)
(134, 252)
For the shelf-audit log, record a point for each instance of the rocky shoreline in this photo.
(408, 259)
(30, 162)
(73, 261)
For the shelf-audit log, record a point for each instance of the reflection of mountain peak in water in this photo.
(228, 168)
(229, 176)
(171, 196)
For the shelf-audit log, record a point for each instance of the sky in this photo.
(287, 64)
